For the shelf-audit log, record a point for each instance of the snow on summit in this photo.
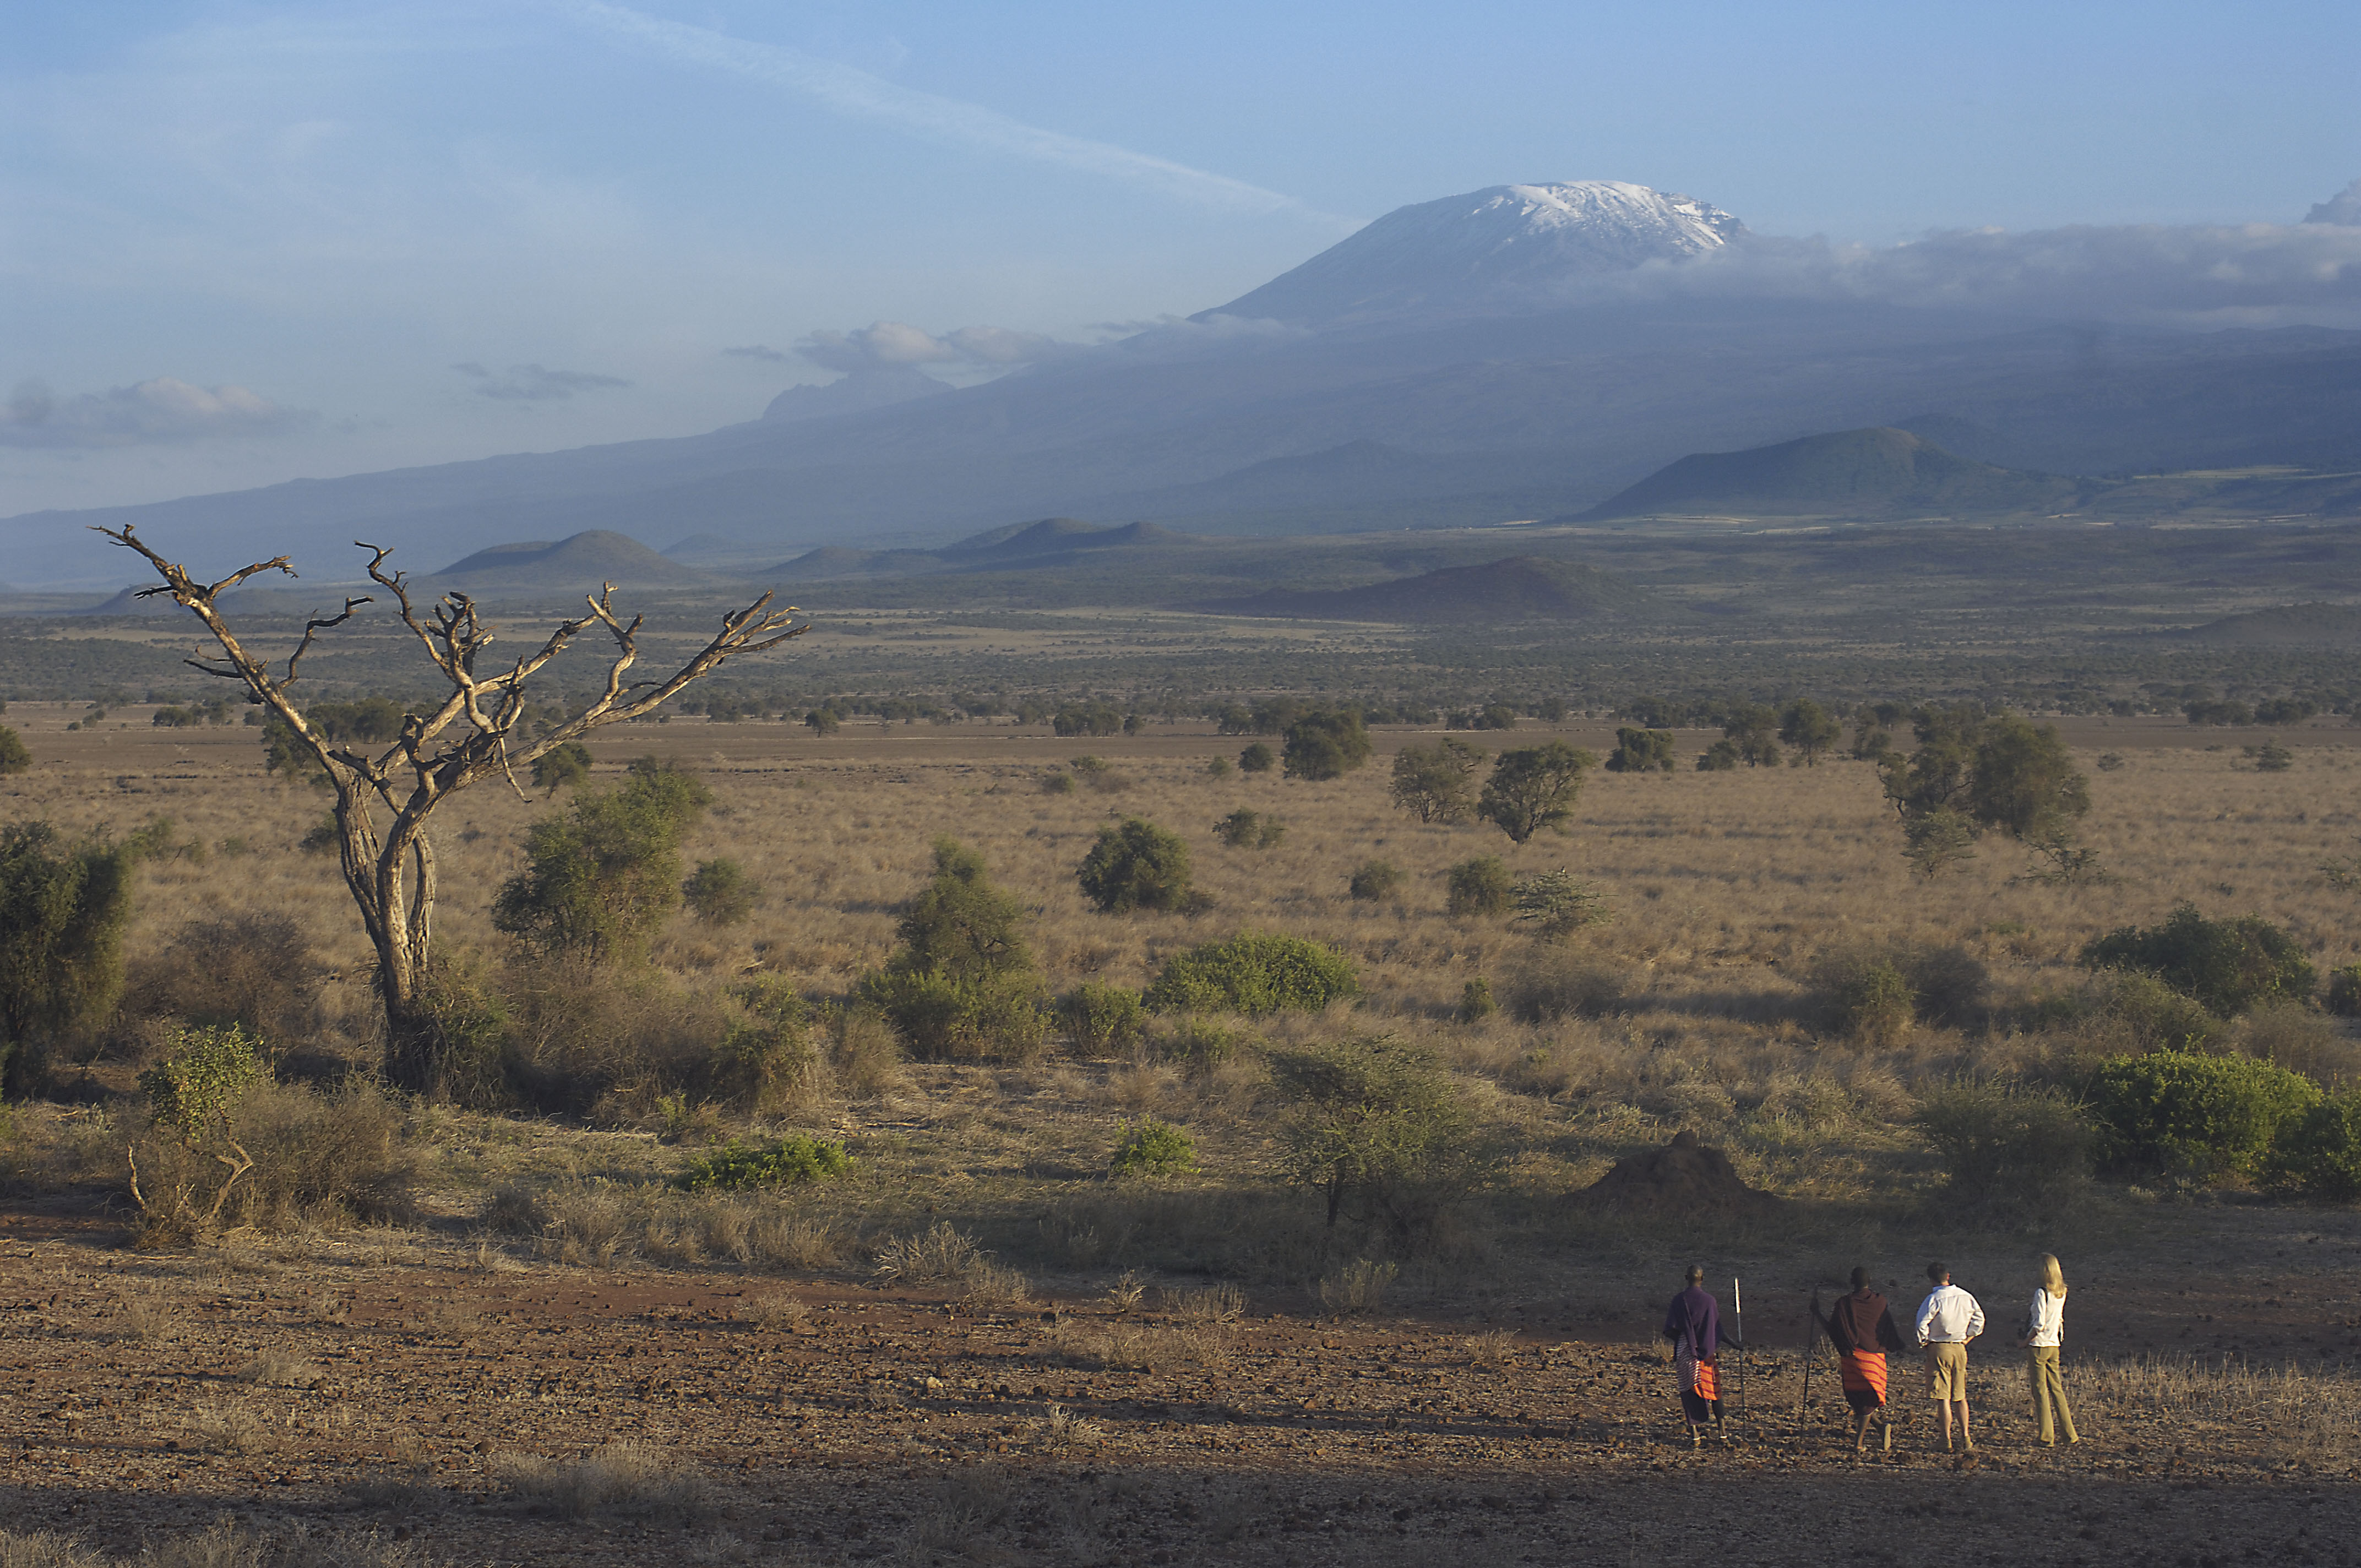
(1491, 246)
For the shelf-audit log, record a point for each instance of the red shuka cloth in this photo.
(1864, 1371)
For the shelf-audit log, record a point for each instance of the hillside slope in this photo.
(1852, 473)
(1516, 587)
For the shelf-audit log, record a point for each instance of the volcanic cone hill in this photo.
(2288, 626)
(1518, 587)
(577, 564)
(1877, 473)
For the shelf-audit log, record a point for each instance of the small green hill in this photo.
(581, 562)
(1851, 473)
(1519, 587)
(2288, 626)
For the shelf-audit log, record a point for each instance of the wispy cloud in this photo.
(884, 344)
(858, 94)
(758, 351)
(535, 383)
(159, 410)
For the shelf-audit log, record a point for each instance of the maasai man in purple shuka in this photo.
(1693, 1322)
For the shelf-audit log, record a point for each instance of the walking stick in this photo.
(1811, 1343)
(1738, 1315)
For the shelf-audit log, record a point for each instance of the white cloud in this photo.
(535, 383)
(884, 344)
(858, 94)
(154, 411)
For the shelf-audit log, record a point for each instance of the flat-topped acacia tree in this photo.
(462, 741)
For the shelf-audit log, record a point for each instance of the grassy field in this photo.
(549, 1292)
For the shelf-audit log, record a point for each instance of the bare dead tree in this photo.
(464, 740)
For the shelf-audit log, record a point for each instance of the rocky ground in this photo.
(475, 1410)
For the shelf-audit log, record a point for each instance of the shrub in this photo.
(719, 892)
(1479, 886)
(1873, 1002)
(2192, 1116)
(2228, 965)
(784, 1162)
(1810, 730)
(986, 1017)
(597, 880)
(1150, 1147)
(1375, 880)
(1555, 905)
(1437, 783)
(2317, 1153)
(204, 1074)
(1557, 983)
(1136, 865)
(1253, 972)
(14, 757)
(2345, 991)
(568, 764)
(1877, 995)
(767, 1058)
(864, 1053)
(1642, 751)
(1102, 1020)
(1935, 842)
(322, 838)
(1476, 1002)
(63, 911)
(310, 1158)
(822, 721)
(1201, 1045)
(2138, 1013)
(1087, 718)
(1378, 1124)
(586, 1039)
(1058, 783)
(1325, 745)
(255, 971)
(1249, 830)
(1256, 759)
(2006, 1149)
(1530, 790)
(1218, 767)
(1721, 757)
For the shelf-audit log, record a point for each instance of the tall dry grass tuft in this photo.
(634, 1479)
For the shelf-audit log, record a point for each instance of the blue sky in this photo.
(247, 242)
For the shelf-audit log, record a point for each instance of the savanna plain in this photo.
(527, 1332)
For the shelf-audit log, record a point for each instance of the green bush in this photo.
(1559, 983)
(1533, 789)
(14, 757)
(1481, 886)
(990, 1017)
(201, 1078)
(1150, 1147)
(1642, 751)
(2138, 1013)
(1102, 1020)
(1201, 1044)
(1379, 1125)
(1721, 757)
(1249, 830)
(1552, 905)
(598, 878)
(1257, 759)
(1136, 865)
(1437, 783)
(2345, 991)
(1475, 1001)
(1374, 880)
(1219, 768)
(2318, 1153)
(2192, 1116)
(1325, 745)
(767, 1058)
(2228, 965)
(2006, 1149)
(719, 891)
(310, 1160)
(786, 1162)
(554, 770)
(63, 911)
(1253, 972)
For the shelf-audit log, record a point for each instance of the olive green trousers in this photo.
(2049, 1390)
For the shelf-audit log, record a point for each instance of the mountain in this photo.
(1505, 244)
(1518, 587)
(577, 564)
(1453, 365)
(2288, 626)
(1883, 474)
(856, 393)
(1053, 542)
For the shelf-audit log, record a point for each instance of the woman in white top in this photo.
(2045, 1330)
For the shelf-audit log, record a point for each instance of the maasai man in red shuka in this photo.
(1693, 1322)
(1862, 1327)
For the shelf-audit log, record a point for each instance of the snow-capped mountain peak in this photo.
(1491, 247)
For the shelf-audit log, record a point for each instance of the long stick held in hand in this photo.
(1811, 1343)
(1738, 1315)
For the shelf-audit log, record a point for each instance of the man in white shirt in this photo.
(1948, 1319)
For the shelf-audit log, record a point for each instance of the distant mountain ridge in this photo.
(578, 563)
(1882, 472)
(1053, 542)
(1516, 587)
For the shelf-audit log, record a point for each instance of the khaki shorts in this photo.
(1947, 1373)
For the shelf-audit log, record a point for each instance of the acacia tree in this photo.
(463, 740)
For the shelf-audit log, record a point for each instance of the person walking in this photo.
(1693, 1322)
(1948, 1319)
(2045, 1333)
(1862, 1328)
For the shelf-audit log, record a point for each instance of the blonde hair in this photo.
(2053, 1278)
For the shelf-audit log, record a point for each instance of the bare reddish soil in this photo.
(897, 1424)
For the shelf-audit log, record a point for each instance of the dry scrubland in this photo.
(1194, 1396)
